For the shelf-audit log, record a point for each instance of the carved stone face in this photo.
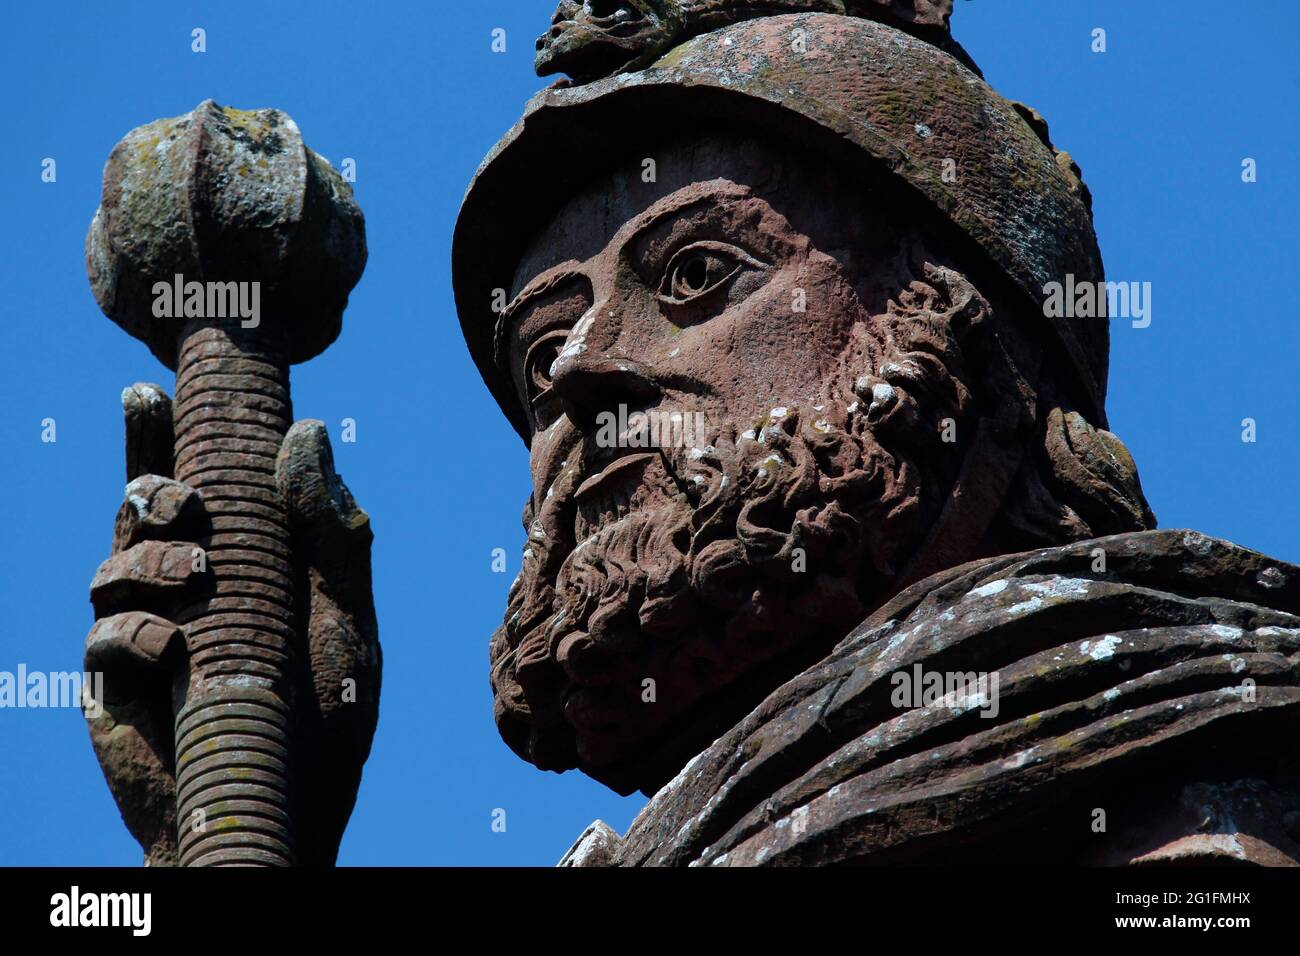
(795, 343)
(592, 38)
(598, 37)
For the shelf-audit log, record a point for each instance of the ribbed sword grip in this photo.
(233, 742)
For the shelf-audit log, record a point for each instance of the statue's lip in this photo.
(611, 472)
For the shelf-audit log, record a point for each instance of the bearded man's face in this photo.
(800, 350)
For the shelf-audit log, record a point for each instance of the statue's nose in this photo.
(589, 383)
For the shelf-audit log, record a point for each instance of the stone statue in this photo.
(234, 621)
(829, 549)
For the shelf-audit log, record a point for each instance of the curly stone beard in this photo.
(732, 564)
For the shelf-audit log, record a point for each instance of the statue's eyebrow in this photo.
(673, 206)
(538, 287)
(541, 285)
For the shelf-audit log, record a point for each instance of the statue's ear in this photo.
(967, 310)
(1003, 363)
(958, 314)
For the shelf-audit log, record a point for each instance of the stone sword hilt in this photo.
(229, 248)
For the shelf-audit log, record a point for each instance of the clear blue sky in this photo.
(1160, 124)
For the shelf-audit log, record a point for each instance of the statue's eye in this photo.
(701, 268)
(541, 356)
(537, 370)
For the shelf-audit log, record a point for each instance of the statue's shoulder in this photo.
(1005, 689)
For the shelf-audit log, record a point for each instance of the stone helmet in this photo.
(875, 82)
